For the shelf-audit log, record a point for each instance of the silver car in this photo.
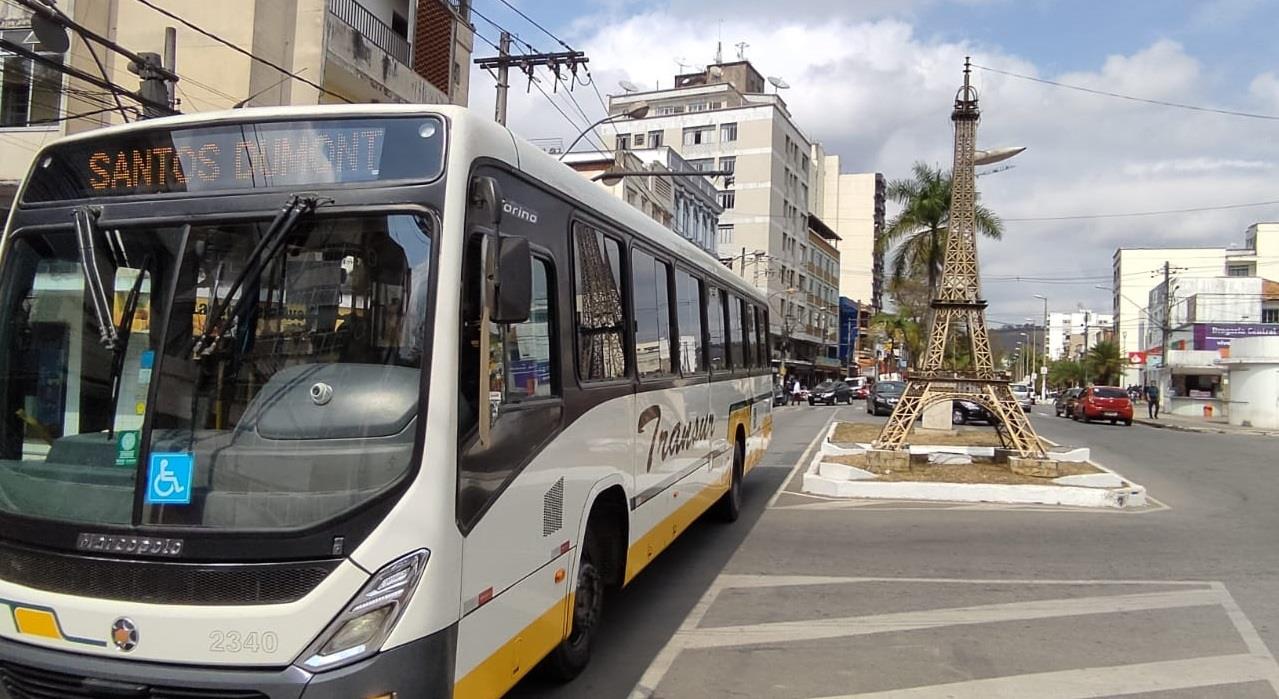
(1025, 398)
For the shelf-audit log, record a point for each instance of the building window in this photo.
(1238, 271)
(728, 163)
(651, 279)
(30, 94)
(727, 199)
(725, 234)
(1270, 315)
(698, 135)
(698, 107)
(623, 141)
(639, 139)
(728, 132)
(597, 271)
(399, 25)
(668, 110)
(702, 164)
(654, 139)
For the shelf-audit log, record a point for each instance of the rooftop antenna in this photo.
(683, 65)
(741, 50)
(719, 51)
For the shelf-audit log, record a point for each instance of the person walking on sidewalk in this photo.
(1152, 401)
(795, 390)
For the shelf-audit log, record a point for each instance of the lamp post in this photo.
(1027, 343)
(1043, 375)
(638, 111)
(785, 325)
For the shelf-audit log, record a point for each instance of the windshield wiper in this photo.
(122, 334)
(86, 230)
(219, 322)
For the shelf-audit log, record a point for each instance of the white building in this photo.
(853, 204)
(722, 119)
(1070, 335)
(1253, 378)
(1138, 270)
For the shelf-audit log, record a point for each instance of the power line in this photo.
(1131, 98)
(1132, 214)
(533, 22)
(234, 47)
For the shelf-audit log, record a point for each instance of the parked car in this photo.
(1104, 403)
(964, 412)
(1024, 397)
(883, 397)
(1064, 406)
(830, 393)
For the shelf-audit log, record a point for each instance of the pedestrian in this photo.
(1152, 401)
(794, 392)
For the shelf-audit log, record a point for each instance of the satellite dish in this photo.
(716, 72)
(53, 36)
(628, 85)
(778, 83)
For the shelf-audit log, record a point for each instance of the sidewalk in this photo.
(1218, 425)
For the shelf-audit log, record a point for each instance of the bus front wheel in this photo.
(573, 653)
(729, 507)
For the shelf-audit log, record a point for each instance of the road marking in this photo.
(817, 629)
(1088, 683)
(803, 459)
(1257, 665)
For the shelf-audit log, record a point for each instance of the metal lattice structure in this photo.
(958, 302)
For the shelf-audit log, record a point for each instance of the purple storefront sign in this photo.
(1213, 336)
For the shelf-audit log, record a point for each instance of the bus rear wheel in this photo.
(571, 656)
(729, 506)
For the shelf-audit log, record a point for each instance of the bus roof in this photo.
(532, 161)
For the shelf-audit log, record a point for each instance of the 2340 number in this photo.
(243, 642)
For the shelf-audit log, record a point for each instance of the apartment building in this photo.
(854, 205)
(687, 205)
(821, 265)
(410, 51)
(1137, 271)
(722, 119)
(1070, 335)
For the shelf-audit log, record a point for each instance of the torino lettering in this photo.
(667, 442)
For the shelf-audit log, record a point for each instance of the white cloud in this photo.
(874, 91)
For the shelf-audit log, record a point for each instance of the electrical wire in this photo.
(1131, 214)
(238, 49)
(533, 22)
(1131, 98)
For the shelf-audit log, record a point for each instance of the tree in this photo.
(919, 230)
(1065, 373)
(1105, 363)
(901, 330)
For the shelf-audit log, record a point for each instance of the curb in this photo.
(1202, 430)
(1131, 495)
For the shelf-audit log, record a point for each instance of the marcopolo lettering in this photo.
(131, 545)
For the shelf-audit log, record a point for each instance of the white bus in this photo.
(346, 402)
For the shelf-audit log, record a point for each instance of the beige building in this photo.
(722, 119)
(854, 205)
(354, 50)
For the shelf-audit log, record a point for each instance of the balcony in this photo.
(370, 57)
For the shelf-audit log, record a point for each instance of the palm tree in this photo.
(1065, 373)
(1105, 362)
(901, 329)
(919, 231)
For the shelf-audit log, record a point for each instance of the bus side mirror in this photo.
(513, 295)
(486, 195)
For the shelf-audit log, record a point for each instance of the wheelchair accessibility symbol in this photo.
(169, 478)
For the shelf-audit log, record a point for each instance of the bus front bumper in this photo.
(423, 668)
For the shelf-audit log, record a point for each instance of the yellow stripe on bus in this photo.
(646, 548)
(509, 664)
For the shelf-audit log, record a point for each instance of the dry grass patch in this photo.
(863, 432)
(977, 472)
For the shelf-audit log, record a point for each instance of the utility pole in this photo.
(503, 71)
(1167, 319)
(526, 63)
(170, 63)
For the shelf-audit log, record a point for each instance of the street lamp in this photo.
(638, 111)
(1043, 375)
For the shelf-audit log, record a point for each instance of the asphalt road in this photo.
(810, 598)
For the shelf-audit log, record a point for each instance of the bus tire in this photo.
(729, 506)
(571, 656)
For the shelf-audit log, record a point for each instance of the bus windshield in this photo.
(303, 409)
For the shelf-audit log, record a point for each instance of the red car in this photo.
(1103, 403)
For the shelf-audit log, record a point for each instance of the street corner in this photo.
(808, 637)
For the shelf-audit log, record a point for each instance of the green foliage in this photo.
(1104, 363)
(1065, 373)
(904, 332)
(919, 230)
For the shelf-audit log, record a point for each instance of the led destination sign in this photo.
(242, 157)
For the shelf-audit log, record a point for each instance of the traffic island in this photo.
(969, 467)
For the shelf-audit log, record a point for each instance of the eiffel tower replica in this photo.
(958, 302)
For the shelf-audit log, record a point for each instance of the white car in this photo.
(1025, 398)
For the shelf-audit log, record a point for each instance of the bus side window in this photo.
(597, 303)
(761, 331)
(714, 303)
(748, 327)
(528, 369)
(734, 330)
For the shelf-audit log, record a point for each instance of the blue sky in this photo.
(872, 80)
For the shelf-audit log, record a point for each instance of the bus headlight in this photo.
(363, 626)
